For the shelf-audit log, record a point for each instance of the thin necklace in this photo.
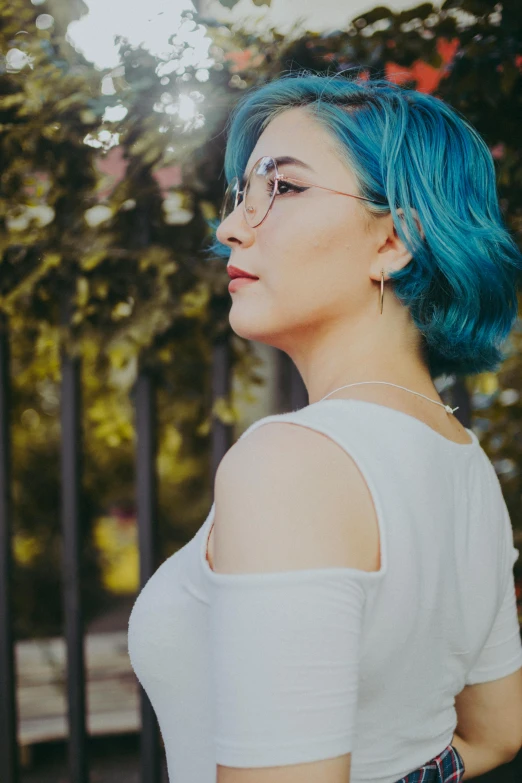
(448, 408)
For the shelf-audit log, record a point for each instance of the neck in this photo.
(363, 346)
(405, 369)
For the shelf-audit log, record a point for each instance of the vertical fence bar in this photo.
(298, 391)
(71, 449)
(291, 392)
(146, 446)
(282, 385)
(222, 433)
(8, 709)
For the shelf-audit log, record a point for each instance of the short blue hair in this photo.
(411, 149)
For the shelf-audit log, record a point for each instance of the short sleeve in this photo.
(502, 652)
(284, 665)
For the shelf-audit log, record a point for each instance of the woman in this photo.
(347, 610)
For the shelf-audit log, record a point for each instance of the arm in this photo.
(479, 758)
(489, 708)
(335, 770)
(489, 719)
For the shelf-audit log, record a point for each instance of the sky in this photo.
(152, 21)
(318, 15)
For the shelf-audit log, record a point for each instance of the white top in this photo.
(269, 669)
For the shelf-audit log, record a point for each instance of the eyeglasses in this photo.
(261, 189)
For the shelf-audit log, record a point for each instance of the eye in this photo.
(284, 187)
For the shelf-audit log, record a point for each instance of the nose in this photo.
(234, 231)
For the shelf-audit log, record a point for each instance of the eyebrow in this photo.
(282, 161)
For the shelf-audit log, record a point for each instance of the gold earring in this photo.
(382, 288)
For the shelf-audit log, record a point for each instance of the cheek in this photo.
(313, 257)
(314, 244)
(299, 233)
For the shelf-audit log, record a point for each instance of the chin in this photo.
(243, 323)
(248, 331)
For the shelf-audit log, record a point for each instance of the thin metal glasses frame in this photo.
(278, 178)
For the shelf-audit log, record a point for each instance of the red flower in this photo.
(447, 49)
(397, 74)
(498, 150)
(426, 76)
(114, 166)
(168, 177)
(243, 59)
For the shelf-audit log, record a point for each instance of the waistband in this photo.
(447, 767)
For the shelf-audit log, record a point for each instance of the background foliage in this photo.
(104, 221)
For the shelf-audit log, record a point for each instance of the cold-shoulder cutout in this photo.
(295, 574)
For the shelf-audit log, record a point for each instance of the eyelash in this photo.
(294, 188)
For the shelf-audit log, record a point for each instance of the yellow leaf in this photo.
(204, 428)
(487, 383)
(117, 543)
(172, 439)
(82, 291)
(155, 256)
(169, 268)
(193, 303)
(8, 101)
(26, 548)
(121, 310)
(208, 210)
(165, 355)
(119, 354)
(92, 259)
(224, 412)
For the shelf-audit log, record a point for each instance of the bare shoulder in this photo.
(288, 497)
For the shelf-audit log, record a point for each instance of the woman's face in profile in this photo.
(315, 250)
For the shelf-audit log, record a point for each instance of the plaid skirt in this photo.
(447, 767)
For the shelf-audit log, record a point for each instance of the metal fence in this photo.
(290, 395)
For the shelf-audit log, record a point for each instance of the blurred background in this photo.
(121, 382)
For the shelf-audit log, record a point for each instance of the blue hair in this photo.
(411, 150)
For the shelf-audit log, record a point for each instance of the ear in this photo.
(416, 218)
(392, 252)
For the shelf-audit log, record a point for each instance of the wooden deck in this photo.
(112, 688)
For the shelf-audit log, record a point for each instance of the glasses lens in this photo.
(230, 199)
(259, 190)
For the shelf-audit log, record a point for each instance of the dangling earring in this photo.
(382, 288)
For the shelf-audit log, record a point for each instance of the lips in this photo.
(241, 282)
(234, 272)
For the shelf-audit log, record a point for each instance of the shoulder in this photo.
(278, 451)
(289, 497)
